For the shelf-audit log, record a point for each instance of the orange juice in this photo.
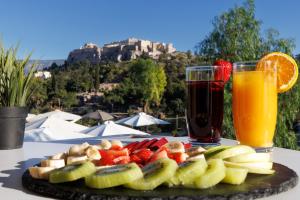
(254, 107)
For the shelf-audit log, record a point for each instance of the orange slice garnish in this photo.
(287, 69)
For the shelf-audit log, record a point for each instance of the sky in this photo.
(52, 28)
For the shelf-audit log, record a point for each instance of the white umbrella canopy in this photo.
(55, 124)
(47, 134)
(58, 114)
(98, 115)
(52, 128)
(109, 128)
(141, 119)
(30, 116)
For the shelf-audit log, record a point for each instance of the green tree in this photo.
(189, 54)
(72, 85)
(298, 57)
(114, 97)
(54, 87)
(69, 99)
(236, 36)
(144, 84)
(54, 66)
(288, 107)
(273, 42)
(96, 77)
(149, 79)
(39, 96)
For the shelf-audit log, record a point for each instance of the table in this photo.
(14, 162)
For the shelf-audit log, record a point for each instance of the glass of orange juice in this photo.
(255, 103)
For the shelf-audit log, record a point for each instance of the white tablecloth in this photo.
(14, 162)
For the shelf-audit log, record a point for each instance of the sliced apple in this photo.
(233, 151)
(250, 157)
(235, 176)
(262, 171)
(214, 150)
(254, 167)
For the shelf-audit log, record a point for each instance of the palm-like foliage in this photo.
(15, 85)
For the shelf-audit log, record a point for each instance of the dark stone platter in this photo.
(255, 186)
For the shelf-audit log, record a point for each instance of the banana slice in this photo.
(92, 153)
(98, 146)
(116, 143)
(175, 147)
(105, 144)
(58, 156)
(40, 172)
(193, 151)
(55, 163)
(72, 160)
(79, 149)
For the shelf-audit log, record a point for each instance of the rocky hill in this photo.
(128, 49)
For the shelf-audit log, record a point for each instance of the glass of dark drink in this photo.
(205, 100)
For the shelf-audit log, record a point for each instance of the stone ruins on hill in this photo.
(128, 49)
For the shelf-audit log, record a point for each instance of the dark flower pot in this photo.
(12, 126)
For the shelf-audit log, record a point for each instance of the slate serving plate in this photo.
(255, 186)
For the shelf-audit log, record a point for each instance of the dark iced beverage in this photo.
(205, 100)
(205, 110)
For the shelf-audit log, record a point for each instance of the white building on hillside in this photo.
(42, 74)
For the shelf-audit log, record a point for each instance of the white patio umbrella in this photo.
(109, 128)
(30, 116)
(58, 114)
(47, 134)
(56, 124)
(98, 115)
(52, 128)
(141, 119)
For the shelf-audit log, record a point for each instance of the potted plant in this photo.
(15, 89)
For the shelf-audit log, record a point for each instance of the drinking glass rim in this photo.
(201, 67)
(246, 63)
(252, 65)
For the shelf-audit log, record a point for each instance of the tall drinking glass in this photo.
(255, 103)
(205, 98)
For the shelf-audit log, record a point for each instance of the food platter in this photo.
(255, 186)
